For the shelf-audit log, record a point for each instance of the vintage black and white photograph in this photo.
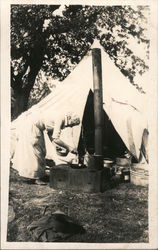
(79, 123)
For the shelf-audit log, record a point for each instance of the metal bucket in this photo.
(125, 175)
(139, 174)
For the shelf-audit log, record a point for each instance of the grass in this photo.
(118, 215)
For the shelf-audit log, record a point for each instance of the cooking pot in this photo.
(108, 163)
(120, 161)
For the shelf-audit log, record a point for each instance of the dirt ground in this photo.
(118, 215)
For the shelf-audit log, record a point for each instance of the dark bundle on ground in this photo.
(56, 226)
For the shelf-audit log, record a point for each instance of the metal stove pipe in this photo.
(98, 107)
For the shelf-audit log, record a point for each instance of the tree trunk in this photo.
(20, 104)
(22, 94)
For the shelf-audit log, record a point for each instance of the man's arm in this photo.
(64, 145)
(56, 136)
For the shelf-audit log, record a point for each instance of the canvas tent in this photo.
(123, 104)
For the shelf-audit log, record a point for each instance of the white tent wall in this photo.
(123, 103)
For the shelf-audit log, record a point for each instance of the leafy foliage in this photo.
(120, 24)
